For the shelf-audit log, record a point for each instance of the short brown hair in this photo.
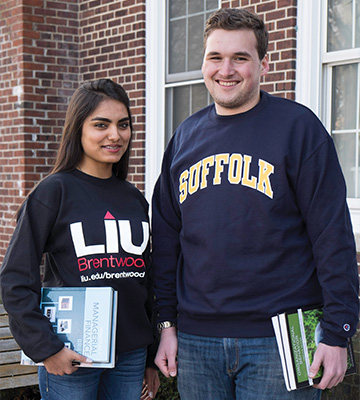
(232, 19)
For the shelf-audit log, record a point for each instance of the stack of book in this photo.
(298, 335)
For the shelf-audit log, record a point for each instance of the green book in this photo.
(298, 335)
(84, 318)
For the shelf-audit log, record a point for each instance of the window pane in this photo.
(199, 97)
(340, 25)
(212, 4)
(181, 104)
(177, 46)
(344, 97)
(196, 6)
(345, 146)
(177, 8)
(195, 39)
(186, 20)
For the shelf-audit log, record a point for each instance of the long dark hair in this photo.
(83, 102)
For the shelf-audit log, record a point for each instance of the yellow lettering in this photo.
(235, 168)
(239, 172)
(264, 185)
(183, 186)
(194, 177)
(246, 181)
(206, 163)
(220, 160)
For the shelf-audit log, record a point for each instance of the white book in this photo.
(276, 325)
(287, 351)
(84, 318)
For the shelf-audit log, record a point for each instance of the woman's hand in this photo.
(64, 362)
(151, 384)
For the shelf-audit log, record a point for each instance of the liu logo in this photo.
(114, 238)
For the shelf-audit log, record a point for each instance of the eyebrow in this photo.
(101, 119)
(108, 120)
(237, 53)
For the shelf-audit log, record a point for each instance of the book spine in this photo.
(303, 338)
(287, 351)
(300, 371)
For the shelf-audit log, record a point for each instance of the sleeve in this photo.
(166, 227)
(152, 348)
(21, 283)
(321, 195)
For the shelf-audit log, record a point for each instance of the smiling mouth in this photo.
(116, 147)
(227, 84)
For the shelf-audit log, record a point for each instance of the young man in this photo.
(249, 220)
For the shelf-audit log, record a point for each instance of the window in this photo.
(185, 92)
(341, 63)
(328, 81)
(345, 122)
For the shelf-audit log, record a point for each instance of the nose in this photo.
(227, 68)
(113, 133)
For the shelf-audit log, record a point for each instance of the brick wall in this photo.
(38, 73)
(11, 116)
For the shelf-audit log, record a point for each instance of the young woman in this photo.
(64, 217)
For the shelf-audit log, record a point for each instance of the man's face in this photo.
(232, 70)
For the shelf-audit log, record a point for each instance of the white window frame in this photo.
(308, 60)
(155, 92)
(312, 78)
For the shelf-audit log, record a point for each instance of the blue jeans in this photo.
(124, 382)
(224, 369)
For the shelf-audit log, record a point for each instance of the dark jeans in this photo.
(124, 382)
(224, 369)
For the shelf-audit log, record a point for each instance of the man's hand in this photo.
(334, 361)
(166, 356)
(63, 362)
(151, 384)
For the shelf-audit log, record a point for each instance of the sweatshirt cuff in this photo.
(333, 340)
(41, 357)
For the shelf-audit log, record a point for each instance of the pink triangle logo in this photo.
(109, 216)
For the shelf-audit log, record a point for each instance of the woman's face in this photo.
(105, 138)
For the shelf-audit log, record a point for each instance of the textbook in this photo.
(298, 335)
(84, 318)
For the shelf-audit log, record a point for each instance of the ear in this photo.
(264, 65)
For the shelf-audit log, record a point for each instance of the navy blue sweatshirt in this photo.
(249, 220)
(94, 232)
